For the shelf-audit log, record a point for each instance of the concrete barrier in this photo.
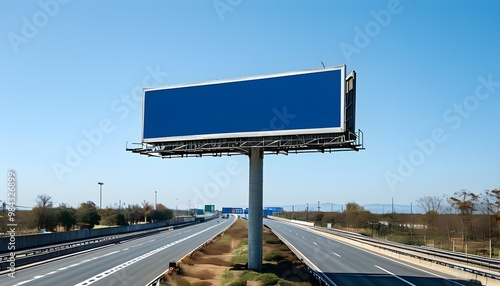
(23, 242)
(413, 260)
(410, 259)
(78, 247)
(299, 222)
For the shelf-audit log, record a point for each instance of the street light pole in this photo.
(100, 194)
(307, 211)
(489, 223)
(156, 202)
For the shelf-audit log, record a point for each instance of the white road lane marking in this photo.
(399, 262)
(395, 276)
(122, 266)
(63, 268)
(336, 254)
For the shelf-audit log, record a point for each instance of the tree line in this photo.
(45, 216)
(464, 218)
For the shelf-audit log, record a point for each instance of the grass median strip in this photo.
(224, 262)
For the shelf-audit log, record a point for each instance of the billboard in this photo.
(293, 103)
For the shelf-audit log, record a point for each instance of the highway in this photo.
(344, 264)
(133, 262)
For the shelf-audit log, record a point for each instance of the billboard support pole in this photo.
(255, 207)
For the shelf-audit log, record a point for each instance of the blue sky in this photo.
(71, 73)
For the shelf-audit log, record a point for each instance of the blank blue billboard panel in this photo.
(305, 102)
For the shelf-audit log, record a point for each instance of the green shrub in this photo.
(249, 275)
(274, 256)
(268, 279)
(237, 283)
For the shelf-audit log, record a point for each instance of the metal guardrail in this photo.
(405, 250)
(156, 280)
(459, 256)
(55, 248)
(455, 259)
(33, 255)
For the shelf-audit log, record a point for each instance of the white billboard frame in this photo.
(252, 134)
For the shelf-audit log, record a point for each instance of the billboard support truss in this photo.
(324, 143)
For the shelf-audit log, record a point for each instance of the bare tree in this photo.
(432, 206)
(491, 201)
(491, 204)
(465, 203)
(354, 214)
(352, 206)
(44, 214)
(146, 210)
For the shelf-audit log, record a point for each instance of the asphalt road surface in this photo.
(349, 265)
(135, 262)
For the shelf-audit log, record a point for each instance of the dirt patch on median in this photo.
(224, 260)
